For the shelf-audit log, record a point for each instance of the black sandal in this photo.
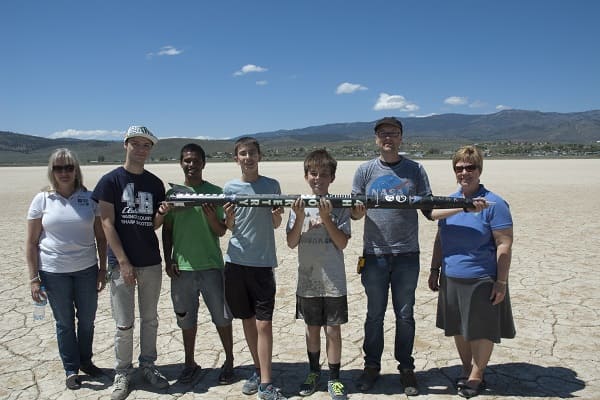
(460, 381)
(467, 391)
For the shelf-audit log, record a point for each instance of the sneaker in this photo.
(310, 384)
(120, 387)
(409, 381)
(336, 390)
(270, 393)
(251, 385)
(189, 374)
(226, 375)
(154, 377)
(91, 370)
(367, 379)
(72, 382)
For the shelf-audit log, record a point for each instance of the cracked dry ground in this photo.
(553, 282)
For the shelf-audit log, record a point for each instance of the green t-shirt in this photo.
(195, 246)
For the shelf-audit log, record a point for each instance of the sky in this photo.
(221, 69)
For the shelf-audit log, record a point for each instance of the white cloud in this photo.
(477, 104)
(91, 134)
(262, 83)
(422, 115)
(165, 51)
(249, 68)
(394, 102)
(456, 100)
(501, 107)
(347, 88)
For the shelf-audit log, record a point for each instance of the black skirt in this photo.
(464, 308)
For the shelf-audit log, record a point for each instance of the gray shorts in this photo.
(322, 311)
(185, 292)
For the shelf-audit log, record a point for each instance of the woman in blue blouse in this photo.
(470, 265)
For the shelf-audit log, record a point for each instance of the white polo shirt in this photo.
(67, 242)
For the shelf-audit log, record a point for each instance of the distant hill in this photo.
(26, 149)
(517, 125)
(352, 139)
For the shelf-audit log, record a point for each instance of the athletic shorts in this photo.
(250, 291)
(322, 311)
(188, 286)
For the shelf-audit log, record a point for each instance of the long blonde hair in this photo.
(69, 158)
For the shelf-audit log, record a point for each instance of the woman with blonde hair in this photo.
(470, 265)
(65, 250)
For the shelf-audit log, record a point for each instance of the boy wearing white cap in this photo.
(131, 208)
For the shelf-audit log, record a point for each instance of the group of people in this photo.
(77, 240)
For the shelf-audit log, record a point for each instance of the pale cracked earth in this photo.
(554, 284)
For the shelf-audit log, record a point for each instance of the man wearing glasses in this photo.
(391, 253)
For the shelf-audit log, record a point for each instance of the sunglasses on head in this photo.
(63, 168)
(468, 168)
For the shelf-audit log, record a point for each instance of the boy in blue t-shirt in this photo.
(250, 260)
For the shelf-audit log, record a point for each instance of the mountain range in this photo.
(506, 125)
(514, 125)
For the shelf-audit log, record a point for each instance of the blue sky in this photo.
(225, 68)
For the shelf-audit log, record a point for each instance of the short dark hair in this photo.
(245, 140)
(193, 147)
(318, 159)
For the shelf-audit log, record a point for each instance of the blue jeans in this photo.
(401, 273)
(73, 294)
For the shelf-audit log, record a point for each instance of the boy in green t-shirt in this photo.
(194, 263)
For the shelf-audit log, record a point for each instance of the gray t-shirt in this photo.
(321, 269)
(252, 240)
(391, 231)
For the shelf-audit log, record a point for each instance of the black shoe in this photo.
(91, 370)
(310, 384)
(226, 376)
(73, 382)
(409, 381)
(367, 379)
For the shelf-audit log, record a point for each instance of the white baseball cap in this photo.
(140, 131)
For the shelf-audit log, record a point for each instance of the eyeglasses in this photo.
(468, 168)
(63, 168)
(383, 134)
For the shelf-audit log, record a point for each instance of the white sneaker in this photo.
(154, 377)
(251, 385)
(120, 387)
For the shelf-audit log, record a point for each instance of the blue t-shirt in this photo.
(252, 241)
(135, 198)
(468, 246)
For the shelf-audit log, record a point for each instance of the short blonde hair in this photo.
(69, 158)
(470, 154)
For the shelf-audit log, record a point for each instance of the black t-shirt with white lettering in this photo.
(135, 198)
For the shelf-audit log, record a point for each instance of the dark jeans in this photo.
(400, 273)
(73, 294)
